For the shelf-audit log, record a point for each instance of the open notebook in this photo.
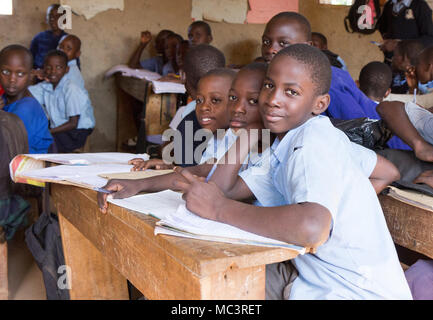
(130, 72)
(168, 87)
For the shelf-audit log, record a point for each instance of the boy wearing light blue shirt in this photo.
(327, 203)
(68, 106)
(71, 45)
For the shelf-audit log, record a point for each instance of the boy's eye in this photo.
(253, 101)
(292, 92)
(20, 74)
(266, 42)
(199, 100)
(284, 43)
(232, 98)
(268, 85)
(5, 72)
(216, 100)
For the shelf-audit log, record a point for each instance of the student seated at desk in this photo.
(375, 81)
(199, 32)
(67, 105)
(320, 205)
(71, 45)
(15, 76)
(198, 61)
(154, 64)
(170, 70)
(412, 123)
(242, 105)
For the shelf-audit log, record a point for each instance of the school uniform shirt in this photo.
(409, 19)
(41, 44)
(32, 115)
(66, 100)
(348, 102)
(74, 74)
(421, 119)
(167, 68)
(358, 260)
(153, 64)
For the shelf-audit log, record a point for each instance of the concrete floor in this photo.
(25, 278)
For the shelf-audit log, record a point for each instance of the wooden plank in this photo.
(166, 267)
(410, 226)
(125, 122)
(91, 276)
(4, 289)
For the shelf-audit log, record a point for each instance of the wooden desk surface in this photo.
(410, 226)
(104, 250)
(132, 86)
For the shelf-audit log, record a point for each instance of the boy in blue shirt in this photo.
(71, 45)
(67, 105)
(48, 40)
(320, 205)
(15, 75)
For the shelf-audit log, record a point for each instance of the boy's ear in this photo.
(387, 93)
(357, 83)
(321, 104)
(67, 69)
(210, 38)
(78, 54)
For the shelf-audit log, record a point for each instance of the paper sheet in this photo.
(136, 73)
(184, 220)
(412, 197)
(88, 158)
(168, 87)
(231, 11)
(261, 11)
(158, 204)
(87, 176)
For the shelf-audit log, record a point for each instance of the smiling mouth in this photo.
(237, 123)
(272, 117)
(205, 120)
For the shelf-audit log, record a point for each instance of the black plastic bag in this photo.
(369, 133)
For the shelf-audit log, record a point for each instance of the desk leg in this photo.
(4, 291)
(92, 276)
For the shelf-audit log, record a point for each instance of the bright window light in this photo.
(337, 2)
(6, 7)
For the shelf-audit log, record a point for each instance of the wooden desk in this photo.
(410, 226)
(105, 250)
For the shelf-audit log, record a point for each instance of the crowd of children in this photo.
(294, 180)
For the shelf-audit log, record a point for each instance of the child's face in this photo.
(197, 35)
(15, 73)
(280, 34)
(69, 47)
(288, 97)
(170, 48)
(53, 18)
(318, 43)
(212, 98)
(54, 69)
(424, 71)
(160, 42)
(243, 102)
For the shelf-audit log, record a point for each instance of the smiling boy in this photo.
(67, 105)
(320, 206)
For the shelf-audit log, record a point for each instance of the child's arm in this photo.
(394, 115)
(384, 173)
(134, 62)
(70, 125)
(125, 188)
(304, 224)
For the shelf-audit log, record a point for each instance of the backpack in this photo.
(45, 243)
(363, 21)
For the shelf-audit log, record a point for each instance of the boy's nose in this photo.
(273, 99)
(239, 107)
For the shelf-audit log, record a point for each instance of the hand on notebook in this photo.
(122, 188)
(202, 198)
(425, 177)
(141, 165)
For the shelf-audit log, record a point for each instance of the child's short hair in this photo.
(375, 79)
(221, 72)
(315, 61)
(200, 60)
(176, 36)
(203, 25)
(16, 47)
(51, 7)
(426, 55)
(56, 53)
(321, 37)
(298, 18)
(74, 39)
(410, 49)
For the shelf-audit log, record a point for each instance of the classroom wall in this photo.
(111, 36)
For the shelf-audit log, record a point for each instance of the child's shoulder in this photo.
(42, 34)
(29, 104)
